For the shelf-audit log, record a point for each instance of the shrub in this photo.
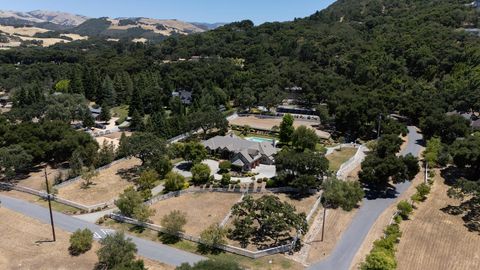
(271, 183)
(404, 209)
(212, 236)
(225, 166)
(423, 190)
(226, 177)
(200, 173)
(174, 182)
(80, 242)
(173, 224)
(379, 260)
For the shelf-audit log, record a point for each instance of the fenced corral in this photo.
(77, 178)
(227, 248)
(162, 197)
(44, 195)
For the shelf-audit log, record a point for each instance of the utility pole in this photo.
(323, 222)
(50, 205)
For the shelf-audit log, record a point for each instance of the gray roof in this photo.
(251, 151)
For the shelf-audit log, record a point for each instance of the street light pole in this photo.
(50, 205)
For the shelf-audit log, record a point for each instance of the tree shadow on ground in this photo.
(168, 239)
(137, 229)
(373, 193)
(185, 166)
(130, 174)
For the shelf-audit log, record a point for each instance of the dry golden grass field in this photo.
(437, 240)
(22, 247)
(107, 185)
(338, 157)
(36, 179)
(202, 209)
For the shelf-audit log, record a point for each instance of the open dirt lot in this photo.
(437, 240)
(22, 247)
(269, 123)
(203, 209)
(107, 185)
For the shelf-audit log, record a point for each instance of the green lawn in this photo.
(121, 112)
(278, 261)
(338, 157)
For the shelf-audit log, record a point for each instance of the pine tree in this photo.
(76, 84)
(137, 123)
(136, 103)
(105, 114)
(107, 92)
(91, 84)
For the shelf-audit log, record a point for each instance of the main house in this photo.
(243, 154)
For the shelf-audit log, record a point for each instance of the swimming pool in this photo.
(259, 139)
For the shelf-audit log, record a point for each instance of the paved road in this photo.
(148, 249)
(352, 239)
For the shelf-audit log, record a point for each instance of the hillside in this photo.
(58, 25)
(364, 59)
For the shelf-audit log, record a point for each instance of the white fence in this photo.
(75, 179)
(352, 163)
(44, 195)
(228, 248)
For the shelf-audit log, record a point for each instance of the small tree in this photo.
(225, 181)
(174, 181)
(342, 194)
(88, 120)
(105, 114)
(423, 190)
(173, 224)
(146, 182)
(286, 128)
(162, 166)
(404, 209)
(379, 260)
(225, 166)
(194, 152)
(212, 236)
(88, 174)
(130, 204)
(80, 242)
(200, 174)
(117, 252)
(305, 138)
(106, 155)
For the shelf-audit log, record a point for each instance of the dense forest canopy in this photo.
(363, 58)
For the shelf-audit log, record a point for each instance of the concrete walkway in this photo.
(147, 249)
(351, 240)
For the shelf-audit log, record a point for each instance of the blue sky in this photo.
(210, 11)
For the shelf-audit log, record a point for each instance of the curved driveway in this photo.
(351, 240)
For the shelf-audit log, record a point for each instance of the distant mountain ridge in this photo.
(133, 28)
(37, 17)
